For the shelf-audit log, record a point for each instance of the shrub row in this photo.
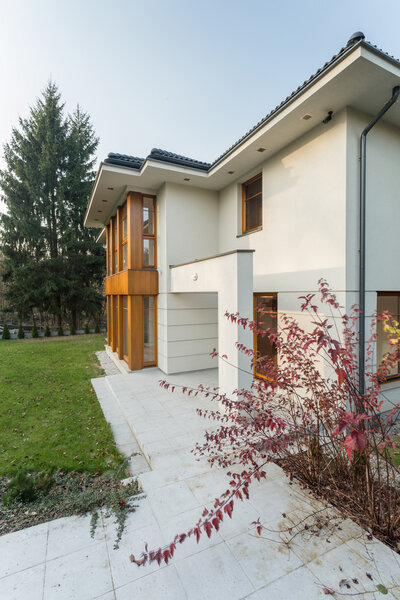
(47, 333)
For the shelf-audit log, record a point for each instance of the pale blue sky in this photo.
(185, 76)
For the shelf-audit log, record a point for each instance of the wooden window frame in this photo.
(391, 378)
(244, 200)
(256, 295)
(152, 236)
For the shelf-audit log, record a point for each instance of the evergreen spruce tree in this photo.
(47, 332)
(86, 329)
(21, 333)
(35, 332)
(6, 332)
(51, 262)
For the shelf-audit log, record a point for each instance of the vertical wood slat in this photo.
(120, 325)
(136, 332)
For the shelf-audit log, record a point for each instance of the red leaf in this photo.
(341, 373)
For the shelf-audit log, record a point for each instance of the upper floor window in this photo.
(252, 204)
(149, 231)
(124, 237)
(387, 301)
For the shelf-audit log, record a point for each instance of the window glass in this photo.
(124, 228)
(149, 329)
(148, 253)
(263, 306)
(391, 303)
(252, 204)
(253, 213)
(125, 324)
(116, 323)
(148, 215)
(125, 256)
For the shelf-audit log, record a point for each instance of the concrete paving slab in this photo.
(84, 574)
(214, 573)
(60, 560)
(262, 559)
(23, 549)
(70, 534)
(24, 584)
(163, 584)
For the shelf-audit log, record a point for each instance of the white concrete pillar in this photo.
(231, 276)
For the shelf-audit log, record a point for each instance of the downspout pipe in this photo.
(363, 188)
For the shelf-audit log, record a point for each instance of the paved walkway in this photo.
(59, 560)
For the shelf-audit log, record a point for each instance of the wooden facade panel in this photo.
(133, 282)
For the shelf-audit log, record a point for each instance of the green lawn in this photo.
(49, 414)
(396, 453)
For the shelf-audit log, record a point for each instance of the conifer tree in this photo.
(51, 262)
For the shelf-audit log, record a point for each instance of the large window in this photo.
(125, 325)
(252, 204)
(265, 307)
(149, 231)
(115, 245)
(124, 237)
(387, 301)
(149, 351)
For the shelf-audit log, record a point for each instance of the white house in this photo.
(277, 211)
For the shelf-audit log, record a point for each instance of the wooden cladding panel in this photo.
(133, 282)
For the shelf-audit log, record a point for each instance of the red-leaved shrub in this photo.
(306, 413)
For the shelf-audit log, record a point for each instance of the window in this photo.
(115, 240)
(264, 305)
(124, 240)
(389, 301)
(125, 325)
(252, 204)
(149, 231)
(149, 314)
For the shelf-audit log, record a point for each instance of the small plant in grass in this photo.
(310, 419)
(6, 332)
(97, 328)
(60, 331)
(21, 333)
(35, 332)
(86, 329)
(47, 332)
(72, 330)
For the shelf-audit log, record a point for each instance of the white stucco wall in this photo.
(382, 217)
(187, 323)
(304, 196)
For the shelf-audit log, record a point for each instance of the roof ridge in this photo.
(357, 39)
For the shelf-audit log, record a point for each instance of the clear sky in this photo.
(182, 75)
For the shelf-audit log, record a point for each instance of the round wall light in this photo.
(195, 277)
